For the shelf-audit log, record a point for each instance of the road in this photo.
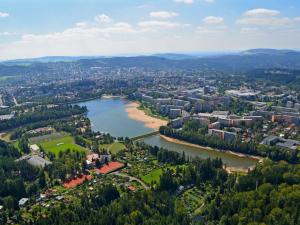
(132, 179)
(15, 101)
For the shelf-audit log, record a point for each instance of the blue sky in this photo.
(35, 28)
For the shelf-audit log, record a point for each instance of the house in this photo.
(132, 188)
(174, 113)
(281, 142)
(34, 148)
(270, 140)
(23, 202)
(224, 135)
(176, 123)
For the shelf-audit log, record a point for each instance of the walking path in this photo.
(132, 179)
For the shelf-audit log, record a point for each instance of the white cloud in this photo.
(82, 24)
(185, 1)
(209, 1)
(103, 18)
(263, 17)
(156, 24)
(213, 20)
(163, 14)
(297, 19)
(7, 33)
(262, 13)
(264, 21)
(153, 35)
(3, 14)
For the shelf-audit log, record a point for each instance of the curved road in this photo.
(132, 179)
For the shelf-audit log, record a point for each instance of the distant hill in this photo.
(268, 51)
(174, 56)
(47, 59)
(235, 62)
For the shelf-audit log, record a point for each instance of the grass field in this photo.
(154, 175)
(57, 142)
(114, 147)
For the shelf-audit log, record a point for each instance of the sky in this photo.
(35, 28)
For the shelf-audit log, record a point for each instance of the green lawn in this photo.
(114, 147)
(57, 144)
(154, 175)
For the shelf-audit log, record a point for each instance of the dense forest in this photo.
(140, 208)
(268, 195)
(42, 114)
(17, 179)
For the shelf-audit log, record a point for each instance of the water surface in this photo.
(228, 159)
(109, 115)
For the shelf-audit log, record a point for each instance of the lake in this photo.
(109, 115)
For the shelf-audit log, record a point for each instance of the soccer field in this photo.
(57, 143)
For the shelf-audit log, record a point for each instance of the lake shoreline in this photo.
(139, 115)
(130, 110)
(229, 169)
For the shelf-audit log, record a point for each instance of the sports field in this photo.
(110, 167)
(57, 142)
(77, 181)
(114, 147)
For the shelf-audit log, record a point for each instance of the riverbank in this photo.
(229, 169)
(139, 115)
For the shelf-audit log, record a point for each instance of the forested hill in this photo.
(244, 61)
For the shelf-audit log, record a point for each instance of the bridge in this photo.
(144, 136)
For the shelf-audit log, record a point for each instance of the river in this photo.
(110, 115)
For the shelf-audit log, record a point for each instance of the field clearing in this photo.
(57, 142)
(153, 176)
(114, 147)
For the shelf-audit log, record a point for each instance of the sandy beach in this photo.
(228, 169)
(139, 115)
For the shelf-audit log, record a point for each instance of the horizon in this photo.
(197, 54)
(116, 28)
